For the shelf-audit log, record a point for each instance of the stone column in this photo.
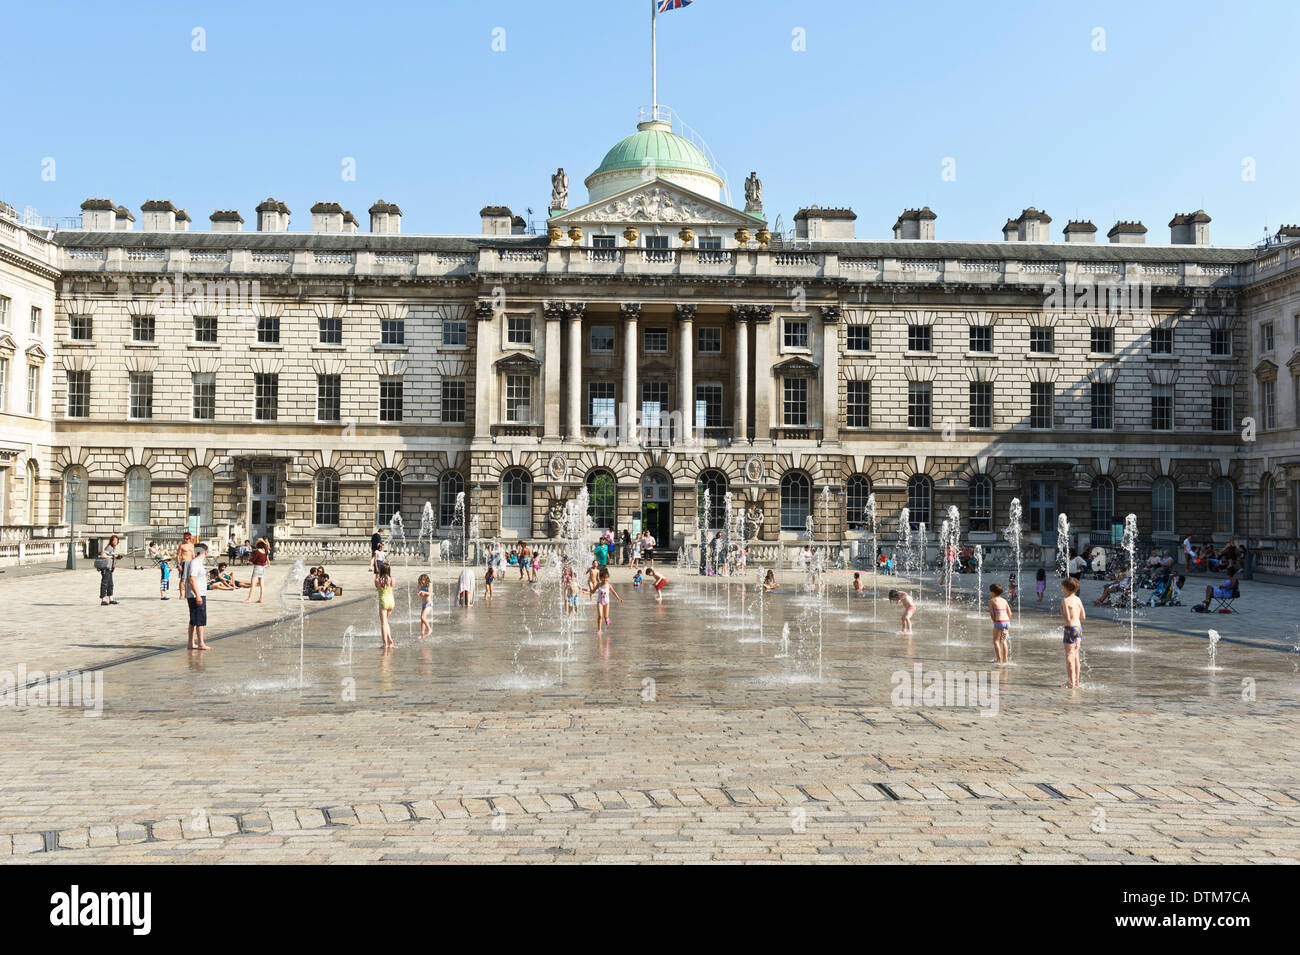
(574, 312)
(631, 399)
(484, 374)
(553, 313)
(686, 371)
(762, 321)
(830, 378)
(740, 314)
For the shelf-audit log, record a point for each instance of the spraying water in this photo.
(875, 550)
(949, 538)
(397, 533)
(1013, 534)
(1214, 646)
(1129, 543)
(1062, 546)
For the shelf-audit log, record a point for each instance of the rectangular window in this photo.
(1103, 406)
(657, 248)
(858, 338)
(330, 331)
(1041, 339)
(4, 381)
(1162, 407)
(1162, 341)
(918, 404)
(203, 396)
(794, 409)
(858, 412)
(1042, 398)
(654, 341)
(78, 394)
(268, 330)
(392, 331)
(708, 405)
(329, 397)
(455, 333)
(602, 241)
(602, 339)
(709, 340)
(1266, 337)
(4, 311)
(35, 327)
(205, 329)
(1221, 342)
(519, 397)
(390, 399)
(981, 404)
(711, 242)
(453, 401)
(81, 328)
(142, 328)
(519, 330)
(981, 338)
(1268, 404)
(1221, 408)
(654, 406)
(601, 406)
(266, 397)
(919, 338)
(1103, 341)
(140, 395)
(796, 333)
(33, 388)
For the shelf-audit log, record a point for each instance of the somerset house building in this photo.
(648, 343)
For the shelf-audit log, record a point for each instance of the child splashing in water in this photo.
(1000, 614)
(426, 605)
(604, 590)
(384, 592)
(909, 608)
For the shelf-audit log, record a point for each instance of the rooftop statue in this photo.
(753, 193)
(560, 189)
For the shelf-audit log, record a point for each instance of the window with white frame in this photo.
(1101, 397)
(1162, 407)
(1268, 404)
(708, 405)
(1223, 499)
(1221, 408)
(601, 339)
(602, 409)
(268, 330)
(203, 396)
(455, 333)
(918, 404)
(708, 340)
(1162, 340)
(453, 401)
(450, 486)
(329, 331)
(519, 330)
(1266, 337)
(920, 338)
(5, 303)
(794, 402)
(1102, 341)
(200, 494)
(1221, 342)
(654, 404)
(140, 395)
(78, 394)
(654, 341)
(391, 388)
(139, 488)
(1042, 339)
(795, 333)
(389, 492)
(327, 498)
(329, 397)
(857, 411)
(266, 397)
(857, 492)
(35, 327)
(981, 339)
(205, 329)
(1162, 506)
(981, 404)
(81, 328)
(519, 399)
(857, 338)
(33, 388)
(980, 503)
(1042, 399)
(392, 331)
(143, 328)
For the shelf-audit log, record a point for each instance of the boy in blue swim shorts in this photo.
(1072, 614)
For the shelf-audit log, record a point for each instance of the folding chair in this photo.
(1224, 604)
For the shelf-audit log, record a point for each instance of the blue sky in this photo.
(1158, 122)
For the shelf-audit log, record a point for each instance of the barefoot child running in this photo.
(1073, 614)
(384, 592)
(426, 605)
(603, 592)
(1040, 584)
(909, 608)
(488, 580)
(1000, 614)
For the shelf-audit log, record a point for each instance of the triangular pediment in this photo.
(794, 366)
(35, 353)
(1266, 370)
(1294, 362)
(7, 343)
(656, 201)
(518, 362)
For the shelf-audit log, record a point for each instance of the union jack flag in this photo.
(665, 5)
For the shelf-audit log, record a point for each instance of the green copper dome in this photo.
(655, 143)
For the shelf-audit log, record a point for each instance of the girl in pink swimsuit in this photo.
(603, 592)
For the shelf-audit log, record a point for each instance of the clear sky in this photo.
(1160, 120)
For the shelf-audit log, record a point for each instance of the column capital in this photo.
(575, 309)
(686, 312)
(761, 314)
(484, 311)
(554, 311)
(741, 313)
(631, 311)
(831, 314)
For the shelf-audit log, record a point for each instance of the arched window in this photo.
(450, 485)
(1223, 499)
(715, 482)
(1268, 495)
(856, 493)
(74, 501)
(980, 508)
(139, 488)
(32, 481)
(1103, 506)
(1162, 506)
(327, 498)
(517, 502)
(796, 500)
(920, 493)
(601, 496)
(390, 496)
(201, 495)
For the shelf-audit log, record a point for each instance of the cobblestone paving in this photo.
(481, 745)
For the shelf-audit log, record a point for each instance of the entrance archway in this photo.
(657, 506)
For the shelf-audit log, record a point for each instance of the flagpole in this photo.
(654, 62)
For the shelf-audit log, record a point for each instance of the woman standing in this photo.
(259, 559)
(104, 563)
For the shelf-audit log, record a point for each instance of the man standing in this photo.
(196, 590)
(185, 553)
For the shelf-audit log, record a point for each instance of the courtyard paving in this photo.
(692, 734)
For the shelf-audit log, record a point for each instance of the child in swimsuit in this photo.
(857, 583)
(571, 592)
(1040, 584)
(1072, 613)
(636, 580)
(426, 604)
(384, 591)
(660, 582)
(909, 608)
(603, 592)
(487, 582)
(1000, 614)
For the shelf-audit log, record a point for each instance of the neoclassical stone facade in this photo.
(656, 341)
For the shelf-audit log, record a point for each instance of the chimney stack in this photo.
(272, 216)
(1127, 233)
(1080, 230)
(159, 216)
(182, 221)
(1190, 228)
(97, 215)
(496, 220)
(350, 224)
(385, 218)
(814, 222)
(327, 217)
(227, 220)
(915, 224)
(123, 221)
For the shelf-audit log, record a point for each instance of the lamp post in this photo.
(71, 485)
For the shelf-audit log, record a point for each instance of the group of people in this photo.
(1230, 560)
(318, 586)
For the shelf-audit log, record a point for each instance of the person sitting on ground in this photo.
(769, 582)
(323, 589)
(1119, 586)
